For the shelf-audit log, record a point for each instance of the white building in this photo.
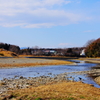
(82, 53)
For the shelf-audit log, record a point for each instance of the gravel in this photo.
(22, 60)
(20, 82)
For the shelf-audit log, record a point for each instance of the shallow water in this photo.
(50, 71)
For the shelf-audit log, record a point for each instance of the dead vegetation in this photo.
(5, 53)
(50, 62)
(57, 91)
(91, 60)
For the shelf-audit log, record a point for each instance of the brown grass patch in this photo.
(6, 53)
(59, 91)
(91, 60)
(25, 55)
(52, 62)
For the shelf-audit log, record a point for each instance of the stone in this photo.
(21, 77)
(97, 80)
(2, 83)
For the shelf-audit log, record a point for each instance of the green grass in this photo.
(38, 99)
(82, 97)
(71, 98)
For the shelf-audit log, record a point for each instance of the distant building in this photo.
(49, 52)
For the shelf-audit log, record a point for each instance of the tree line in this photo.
(9, 47)
(92, 49)
(73, 52)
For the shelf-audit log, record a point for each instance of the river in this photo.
(51, 71)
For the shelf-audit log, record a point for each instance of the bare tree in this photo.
(89, 42)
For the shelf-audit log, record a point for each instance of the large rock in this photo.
(2, 83)
(97, 80)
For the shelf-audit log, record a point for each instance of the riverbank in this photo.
(60, 87)
(20, 82)
(91, 60)
(55, 91)
(27, 62)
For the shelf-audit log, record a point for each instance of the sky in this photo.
(49, 23)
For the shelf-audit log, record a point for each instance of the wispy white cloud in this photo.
(11, 24)
(12, 7)
(38, 25)
(36, 13)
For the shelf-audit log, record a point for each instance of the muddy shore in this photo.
(91, 60)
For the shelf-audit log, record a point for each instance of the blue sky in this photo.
(49, 23)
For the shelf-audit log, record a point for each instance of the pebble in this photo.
(20, 82)
(97, 80)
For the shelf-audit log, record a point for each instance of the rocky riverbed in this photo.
(20, 82)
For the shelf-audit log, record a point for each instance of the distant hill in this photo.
(23, 48)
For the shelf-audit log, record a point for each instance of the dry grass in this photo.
(58, 91)
(6, 53)
(25, 55)
(91, 60)
(50, 62)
